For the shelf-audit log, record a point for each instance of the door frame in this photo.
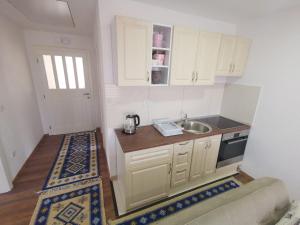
(40, 82)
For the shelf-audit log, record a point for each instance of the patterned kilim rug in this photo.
(170, 207)
(73, 204)
(76, 160)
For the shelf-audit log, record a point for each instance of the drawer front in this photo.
(182, 151)
(180, 177)
(149, 157)
(181, 163)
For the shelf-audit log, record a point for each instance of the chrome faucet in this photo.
(185, 117)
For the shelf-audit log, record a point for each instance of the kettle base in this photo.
(129, 132)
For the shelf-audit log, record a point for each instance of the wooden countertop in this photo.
(148, 137)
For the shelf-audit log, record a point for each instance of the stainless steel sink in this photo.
(193, 126)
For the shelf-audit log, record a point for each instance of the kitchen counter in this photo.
(148, 137)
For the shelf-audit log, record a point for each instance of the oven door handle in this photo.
(237, 141)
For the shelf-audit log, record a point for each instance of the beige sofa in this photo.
(261, 202)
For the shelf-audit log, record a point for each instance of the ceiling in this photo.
(69, 16)
(226, 10)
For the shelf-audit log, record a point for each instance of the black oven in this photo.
(232, 148)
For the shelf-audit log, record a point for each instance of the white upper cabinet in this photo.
(134, 46)
(240, 57)
(207, 57)
(233, 55)
(184, 56)
(149, 54)
(194, 56)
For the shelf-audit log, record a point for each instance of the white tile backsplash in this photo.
(161, 102)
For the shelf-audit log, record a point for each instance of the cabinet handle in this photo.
(180, 171)
(184, 153)
(193, 76)
(230, 68)
(170, 168)
(233, 67)
(185, 143)
(208, 144)
(196, 76)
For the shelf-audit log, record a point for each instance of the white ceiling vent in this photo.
(48, 12)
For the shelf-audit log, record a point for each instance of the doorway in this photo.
(66, 88)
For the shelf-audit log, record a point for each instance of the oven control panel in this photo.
(234, 135)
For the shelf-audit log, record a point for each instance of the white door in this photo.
(207, 57)
(198, 158)
(149, 175)
(212, 155)
(240, 57)
(134, 41)
(226, 53)
(67, 90)
(184, 52)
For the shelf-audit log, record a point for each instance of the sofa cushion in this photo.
(263, 201)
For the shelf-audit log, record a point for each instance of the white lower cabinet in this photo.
(205, 156)
(148, 175)
(181, 163)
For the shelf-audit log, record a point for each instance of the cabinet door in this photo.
(181, 163)
(149, 176)
(212, 155)
(183, 56)
(198, 158)
(133, 51)
(207, 57)
(240, 57)
(226, 53)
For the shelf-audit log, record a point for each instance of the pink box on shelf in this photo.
(160, 57)
(158, 39)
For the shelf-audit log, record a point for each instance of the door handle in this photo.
(193, 76)
(185, 143)
(182, 153)
(180, 171)
(87, 94)
(170, 168)
(237, 141)
(148, 76)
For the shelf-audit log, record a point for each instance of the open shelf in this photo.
(161, 55)
(161, 49)
(160, 66)
(160, 76)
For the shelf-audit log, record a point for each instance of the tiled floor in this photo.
(16, 207)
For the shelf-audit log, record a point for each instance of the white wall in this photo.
(150, 103)
(20, 124)
(273, 148)
(5, 175)
(38, 39)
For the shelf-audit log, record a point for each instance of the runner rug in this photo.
(76, 160)
(72, 204)
(158, 212)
